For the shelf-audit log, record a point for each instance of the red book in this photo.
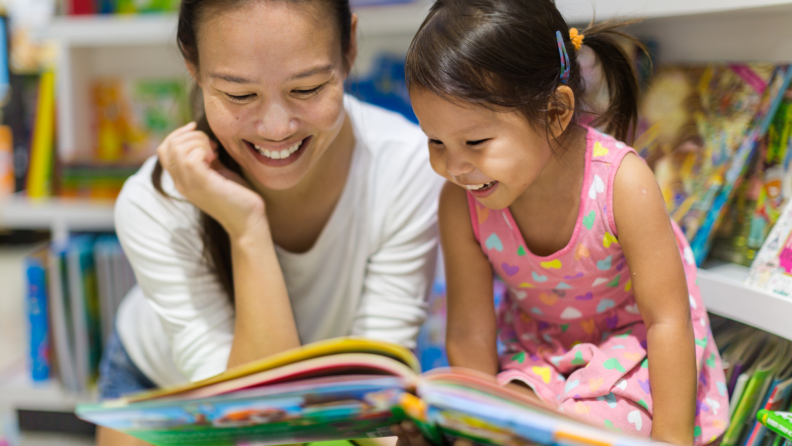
(81, 7)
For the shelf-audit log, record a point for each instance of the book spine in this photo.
(81, 7)
(747, 402)
(42, 146)
(38, 318)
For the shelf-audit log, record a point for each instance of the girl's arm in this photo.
(658, 277)
(471, 332)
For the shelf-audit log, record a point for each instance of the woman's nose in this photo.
(276, 123)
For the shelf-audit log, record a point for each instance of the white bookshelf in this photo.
(60, 215)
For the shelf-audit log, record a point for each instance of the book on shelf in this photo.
(42, 146)
(35, 266)
(74, 290)
(772, 268)
(758, 368)
(698, 130)
(343, 388)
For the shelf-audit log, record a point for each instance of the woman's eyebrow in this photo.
(230, 78)
(308, 73)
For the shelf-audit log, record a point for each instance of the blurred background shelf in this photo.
(60, 215)
(724, 294)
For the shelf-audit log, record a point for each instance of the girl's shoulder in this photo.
(605, 148)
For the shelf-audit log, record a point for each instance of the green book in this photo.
(777, 421)
(745, 406)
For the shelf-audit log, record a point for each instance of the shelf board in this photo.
(581, 11)
(20, 212)
(725, 294)
(20, 392)
(160, 29)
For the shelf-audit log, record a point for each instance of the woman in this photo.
(289, 214)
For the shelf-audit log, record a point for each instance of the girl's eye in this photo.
(478, 142)
(239, 99)
(307, 92)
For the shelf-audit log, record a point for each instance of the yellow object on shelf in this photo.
(42, 147)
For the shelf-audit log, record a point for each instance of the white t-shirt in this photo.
(368, 273)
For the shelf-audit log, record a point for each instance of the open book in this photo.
(343, 388)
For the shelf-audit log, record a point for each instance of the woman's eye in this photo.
(477, 142)
(435, 142)
(242, 98)
(307, 92)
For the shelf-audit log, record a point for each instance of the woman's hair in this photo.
(192, 13)
(504, 55)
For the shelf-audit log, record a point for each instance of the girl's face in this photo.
(496, 156)
(272, 76)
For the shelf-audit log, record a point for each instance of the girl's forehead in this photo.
(267, 37)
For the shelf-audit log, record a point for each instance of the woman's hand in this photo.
(190, 157)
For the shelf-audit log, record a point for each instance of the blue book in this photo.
(36, 289)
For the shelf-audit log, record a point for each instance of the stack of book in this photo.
(73, 292)
(758, 368)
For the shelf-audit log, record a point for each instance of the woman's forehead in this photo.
(267, 38)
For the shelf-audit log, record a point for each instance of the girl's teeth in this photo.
(278, 155)
(479, 186)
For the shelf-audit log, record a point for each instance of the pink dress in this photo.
(570, 323)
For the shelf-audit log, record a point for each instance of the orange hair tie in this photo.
(576, 38)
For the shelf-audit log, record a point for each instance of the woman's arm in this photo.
(471, 334)
(658, 277)
(264, 322)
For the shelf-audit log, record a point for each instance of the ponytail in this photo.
(621, 116)
(504, 54)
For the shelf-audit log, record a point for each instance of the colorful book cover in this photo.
(698, 129)
(132, 117)
(777, 399)
(772, 268)
(38, 316)
(777, 421)
(343, 388)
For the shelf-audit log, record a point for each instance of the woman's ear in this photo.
(193, 70)
(560, 110)
(351, 55)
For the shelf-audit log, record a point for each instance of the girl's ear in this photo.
(353, 48)
(560, 110)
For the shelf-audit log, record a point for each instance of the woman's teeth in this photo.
(479, 186)
(278, 155)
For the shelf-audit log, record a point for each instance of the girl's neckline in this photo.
(581, 207)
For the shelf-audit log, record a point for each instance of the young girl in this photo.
(603, 319)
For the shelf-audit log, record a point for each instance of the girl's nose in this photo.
(276, 123)
(457, 166)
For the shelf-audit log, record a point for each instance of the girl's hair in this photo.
(504, 55)
(192, 13)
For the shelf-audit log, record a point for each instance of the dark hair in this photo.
(503, 54)
(216, 243)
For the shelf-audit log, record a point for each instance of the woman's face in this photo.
(272, 75)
